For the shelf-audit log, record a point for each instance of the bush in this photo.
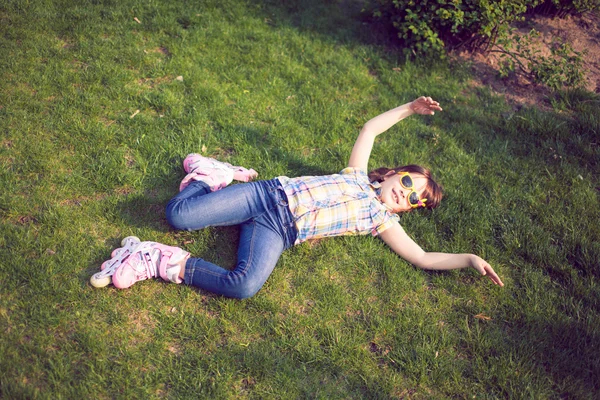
(432, 27)
(429, 27)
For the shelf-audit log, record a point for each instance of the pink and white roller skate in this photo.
(215, 173)
(148, 260)
(118, 256)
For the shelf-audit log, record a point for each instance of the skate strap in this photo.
(150, 268)
(162, 269)
(244, 175)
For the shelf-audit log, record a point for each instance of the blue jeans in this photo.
(267, 228)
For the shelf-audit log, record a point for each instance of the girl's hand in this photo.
(425, 106)
(485, 269)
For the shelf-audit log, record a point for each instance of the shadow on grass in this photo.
(295, 165)
(566, 350)
(341, 21)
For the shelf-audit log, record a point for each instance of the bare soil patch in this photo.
(583, 33)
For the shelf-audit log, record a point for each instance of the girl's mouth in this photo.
(395, 195)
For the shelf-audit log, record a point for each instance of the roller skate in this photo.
(148, 260)
(215, 173)
(118, 256)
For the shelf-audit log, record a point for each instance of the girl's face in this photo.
(395, 196)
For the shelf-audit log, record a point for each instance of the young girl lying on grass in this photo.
(279, 213)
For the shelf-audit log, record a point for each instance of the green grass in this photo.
(283, 89)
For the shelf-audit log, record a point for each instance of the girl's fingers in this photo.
(485, 269)
(493, 276)
(426, 105)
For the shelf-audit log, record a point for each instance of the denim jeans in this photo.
(267, 228)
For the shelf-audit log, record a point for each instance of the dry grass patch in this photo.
(106, 121)
(158, 50)
(151, 83)
(142, 326)
(62, 43)
(80, 200)
(174, 348)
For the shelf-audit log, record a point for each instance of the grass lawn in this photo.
(101, 100)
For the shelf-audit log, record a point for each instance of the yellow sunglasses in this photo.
(413, 197)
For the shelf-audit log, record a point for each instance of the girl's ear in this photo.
(388, 174)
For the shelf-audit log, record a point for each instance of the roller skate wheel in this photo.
(104, 265)
(99, 281)
(131, 239)
(114, 252)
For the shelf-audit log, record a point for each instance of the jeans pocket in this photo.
(278, 195)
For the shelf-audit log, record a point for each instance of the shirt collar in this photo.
(376, 185)
(377, 189)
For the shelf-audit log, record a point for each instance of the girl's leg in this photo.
(267, 229)
(196, 207)
(206, 176)
(259, 250)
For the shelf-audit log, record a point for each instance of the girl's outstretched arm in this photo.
(364, 143)
(397, 239)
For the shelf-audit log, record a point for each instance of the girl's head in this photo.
(394, 192)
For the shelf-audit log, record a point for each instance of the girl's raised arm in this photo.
(359, 158)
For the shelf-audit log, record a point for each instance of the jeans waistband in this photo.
(284, 214)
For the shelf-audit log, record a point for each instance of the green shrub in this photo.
(432, 27)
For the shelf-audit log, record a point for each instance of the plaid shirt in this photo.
(334, 205)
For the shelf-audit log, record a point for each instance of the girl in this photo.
(279, 213)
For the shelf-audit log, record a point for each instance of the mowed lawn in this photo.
(100, 101)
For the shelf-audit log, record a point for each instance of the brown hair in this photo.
(433, 190)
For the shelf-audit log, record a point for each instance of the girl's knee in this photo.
(246, 293)
(175, 216)
(245, 290)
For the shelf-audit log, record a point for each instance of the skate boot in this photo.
(149, 260)
(215, 173)
(118, 256)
